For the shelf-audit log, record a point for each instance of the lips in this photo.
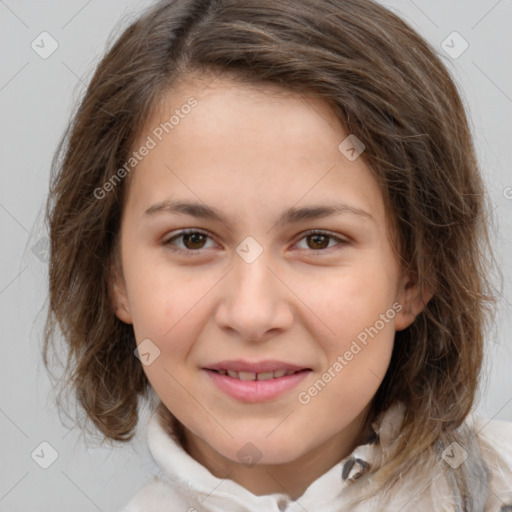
(253, 382)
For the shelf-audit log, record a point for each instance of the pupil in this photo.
(194, 237)
(316, 237)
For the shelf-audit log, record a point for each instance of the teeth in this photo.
(251, 376)
(265, 376)
(247, 376)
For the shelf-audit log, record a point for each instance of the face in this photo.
(264, 280)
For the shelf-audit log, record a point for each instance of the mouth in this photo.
(256, 381)
(252, 376)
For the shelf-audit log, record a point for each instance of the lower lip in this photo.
(256, 390)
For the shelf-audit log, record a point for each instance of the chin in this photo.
(260, 451)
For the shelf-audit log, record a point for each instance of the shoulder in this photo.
(495, 441)
(496, 430)
(152, 496)
(470, 469)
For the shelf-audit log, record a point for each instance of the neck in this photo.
(291, 478)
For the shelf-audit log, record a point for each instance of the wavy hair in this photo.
(387, 86)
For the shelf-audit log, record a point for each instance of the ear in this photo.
(413, 302)
(118, 295)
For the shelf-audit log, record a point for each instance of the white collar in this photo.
(196, 484)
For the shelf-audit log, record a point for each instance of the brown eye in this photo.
(191, 241)
(194, 240)
(318, 241)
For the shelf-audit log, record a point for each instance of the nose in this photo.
(255, 302)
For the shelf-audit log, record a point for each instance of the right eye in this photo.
(192, 240)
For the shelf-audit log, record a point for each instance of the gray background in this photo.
(36, 99)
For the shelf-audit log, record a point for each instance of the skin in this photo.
(251, 153)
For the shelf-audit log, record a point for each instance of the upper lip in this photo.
(240, 365)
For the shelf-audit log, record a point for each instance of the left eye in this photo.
(194, 240)
(321, 240)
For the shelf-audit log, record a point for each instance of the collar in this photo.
(199, 487)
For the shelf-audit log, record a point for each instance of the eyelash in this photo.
(196, 252)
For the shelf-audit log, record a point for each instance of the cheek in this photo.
(352, 301)
(170, 307)
(159, 296)
(357, 356)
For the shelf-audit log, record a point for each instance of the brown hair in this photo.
(387, 86)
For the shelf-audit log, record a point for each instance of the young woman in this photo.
(269, 215)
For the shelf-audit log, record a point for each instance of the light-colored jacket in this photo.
(484, 460)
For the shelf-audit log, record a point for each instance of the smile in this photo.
(251, 376)
(255, 386)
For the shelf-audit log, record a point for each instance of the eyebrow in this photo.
(291, 215)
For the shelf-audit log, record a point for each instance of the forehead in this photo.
(248, 147)
(223, 104)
